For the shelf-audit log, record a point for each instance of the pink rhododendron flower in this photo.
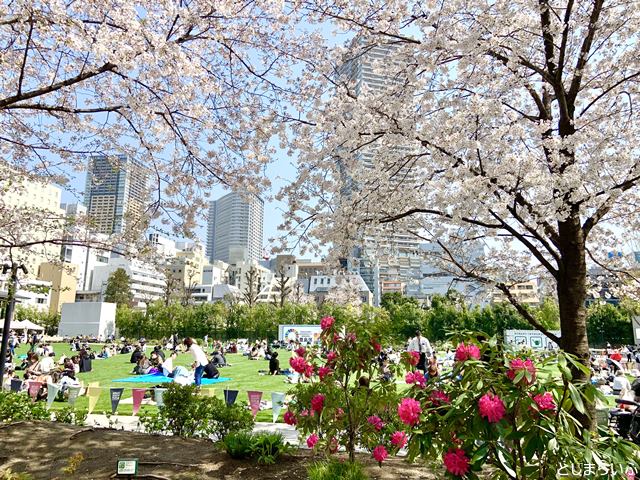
(517, 365)
(299, 364)
(415, 358)
(545, 401)
(409, 411)
(339, 413)
(456, 462)
(380, 453)
(376, 421)
(376, 346)
(312, 440)
(304, 413)
(290, 418)
(417, 378)
(438, 397)
(327, 322)
(351, 337)
(317, 402)
(333, 445)
(491, 407)
(399, 439)
(466, 352)
(309, 370)
(336, 338)
(323, 372)
(300, 351)
(331, 356)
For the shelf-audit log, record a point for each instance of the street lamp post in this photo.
(12, 288)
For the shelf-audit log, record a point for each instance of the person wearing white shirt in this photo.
(48, 363)
(621, 384)
(199, 359)
(421, 345)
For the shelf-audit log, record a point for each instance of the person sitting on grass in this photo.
(218, 359)
(136, 355)
(274, 364)
(143, 366)
(210, 371)
(167, 365)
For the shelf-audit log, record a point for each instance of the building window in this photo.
(41, 300)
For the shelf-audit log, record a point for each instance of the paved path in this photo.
(132, 424)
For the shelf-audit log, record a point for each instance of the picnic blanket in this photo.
(160, 378)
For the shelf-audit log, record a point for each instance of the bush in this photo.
(16, 407)
(510, 414)
(69, 415)
(268, 447)
(239, 445)
(335, 470)
(265, 447)
(187, 414)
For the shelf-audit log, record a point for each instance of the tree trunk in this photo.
(572, 292)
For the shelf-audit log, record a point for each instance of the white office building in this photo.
(147, 283)
(235, 228)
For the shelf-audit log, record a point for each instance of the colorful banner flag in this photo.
(93, 392)
(34, 388)
(277, 401)
(74, 392)
(138, 395)
(52, 393)
(158, 396)
(230, 396)
(208, 392)
(254, 401)
(16, 385)
(116, 395)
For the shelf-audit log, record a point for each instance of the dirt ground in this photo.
(47, 451)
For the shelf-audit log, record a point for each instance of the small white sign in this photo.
(128, 467)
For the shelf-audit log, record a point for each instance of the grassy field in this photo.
(243, 372)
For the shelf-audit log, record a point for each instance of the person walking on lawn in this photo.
(200, 359)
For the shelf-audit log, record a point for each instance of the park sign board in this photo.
(534, 339)
(305, 334)
(127, 466)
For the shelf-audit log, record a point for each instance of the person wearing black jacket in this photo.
(274, 364)
(136, 355)
(210, 370)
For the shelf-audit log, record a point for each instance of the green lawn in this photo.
(243, 372)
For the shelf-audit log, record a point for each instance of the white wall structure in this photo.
(214, 293)
(238, 275)
(31, 293)
(147, 283)
(94, 319)
(215, 273)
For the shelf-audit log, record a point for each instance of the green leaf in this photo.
(579, 365)
(481, 454)
(505, 465)
(553, 445)
(576, 398)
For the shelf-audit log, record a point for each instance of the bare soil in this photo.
(47, 450)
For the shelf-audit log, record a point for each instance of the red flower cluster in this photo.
(312, 440)
(545, 401)
(413, 358)
(331, 356)
(327, 322)
(491, 407)
(399, 439)
(298, 364)
(517, 365)
(376, 421)
(317, 402)
(456, 462)
(438, 397)
(376, 346)
(323, 372)
(290, 418)
(466, 352)
(380, 453)
(416, 378)
(409, 411)
(300, 351)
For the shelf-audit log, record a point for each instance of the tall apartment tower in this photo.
(389, 263)
(234, 230)
(116, 193)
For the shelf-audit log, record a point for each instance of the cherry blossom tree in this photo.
(509, 123)
(194, 91)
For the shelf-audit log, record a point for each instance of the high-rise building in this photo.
(389, 261)
(234, 232)
(116, 193)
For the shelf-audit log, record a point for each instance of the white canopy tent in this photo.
(23, 325)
